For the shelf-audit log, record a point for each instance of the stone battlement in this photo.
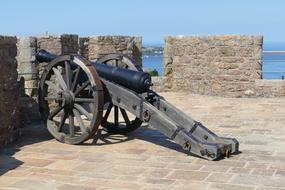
(9, 104)
(222, 65)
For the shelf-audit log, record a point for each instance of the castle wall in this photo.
(96, 46)
(9, 109)
(225, 65)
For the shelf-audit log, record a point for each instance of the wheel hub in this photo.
(68, 100)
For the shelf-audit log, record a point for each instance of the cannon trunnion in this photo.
(77, 95)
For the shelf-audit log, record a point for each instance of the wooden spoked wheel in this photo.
(71, 99)
(119, 60)
(116, 119)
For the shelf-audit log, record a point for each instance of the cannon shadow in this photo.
(144, 133)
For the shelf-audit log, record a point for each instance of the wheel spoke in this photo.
(53, 86)
(62, 121)
(54, 112)
(125, 116)
(71, 125)
(108, 112)
(68, 74)
(116, 115)
(83, 111)
(79, 120)
(59, 78)
(84, 85)
(84, 100)
(76, 78)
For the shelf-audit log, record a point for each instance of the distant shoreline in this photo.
(152, 51)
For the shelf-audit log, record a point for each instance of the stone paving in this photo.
(145, 159)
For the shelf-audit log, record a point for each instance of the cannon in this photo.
(76, 96)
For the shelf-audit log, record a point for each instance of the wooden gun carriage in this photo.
(77, 95)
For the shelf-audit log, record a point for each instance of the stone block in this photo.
(26, 50)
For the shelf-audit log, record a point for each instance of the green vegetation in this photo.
(153, 73)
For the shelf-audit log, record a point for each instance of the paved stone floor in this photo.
(145, 159)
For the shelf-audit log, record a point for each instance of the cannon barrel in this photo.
(137, 81)
(44, 56)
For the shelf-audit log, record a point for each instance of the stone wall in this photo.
(225, 65)
(28, 46)
(97, 46)
(91, 47)
(9, 109)
(57, 44)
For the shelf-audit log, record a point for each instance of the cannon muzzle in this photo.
(137, 81)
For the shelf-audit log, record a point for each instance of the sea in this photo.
(273, 65)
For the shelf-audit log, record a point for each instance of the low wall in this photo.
(226, 65)
(270, 88)
(9, 109)
(97, 46)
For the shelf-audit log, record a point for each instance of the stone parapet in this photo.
(225, 65)
(9, 109)
(59, 44)
(96, 46)
(270, 88)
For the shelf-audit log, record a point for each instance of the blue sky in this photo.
(152, 19)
